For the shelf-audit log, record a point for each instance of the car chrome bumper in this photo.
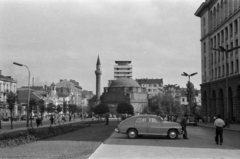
(116, 130)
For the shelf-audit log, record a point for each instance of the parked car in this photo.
(192, 121)
(148, 125)
(24, 117)
(5, 118)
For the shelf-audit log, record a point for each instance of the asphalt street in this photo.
(200, 145)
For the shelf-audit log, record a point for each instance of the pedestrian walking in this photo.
(184, 126)
(107, 118)
(219, 123)
(38, 121)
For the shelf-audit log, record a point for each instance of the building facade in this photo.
(7, 84)
(123, 69)
(153, 86)
(220, 88)
(125, 90)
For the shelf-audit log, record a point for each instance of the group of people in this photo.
(218, 122)
(57, 119)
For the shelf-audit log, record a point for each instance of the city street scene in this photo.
(117, 79)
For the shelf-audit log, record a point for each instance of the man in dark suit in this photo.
(184, 126)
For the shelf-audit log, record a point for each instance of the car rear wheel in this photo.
(172, 134)
(132, 133)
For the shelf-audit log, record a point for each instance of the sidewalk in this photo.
(232, 127)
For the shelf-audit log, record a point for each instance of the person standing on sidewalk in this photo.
(219, 123)
(184, 126)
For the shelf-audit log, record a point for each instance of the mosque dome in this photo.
(124, 82)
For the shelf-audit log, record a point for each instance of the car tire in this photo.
(132, 133)
(172, 134)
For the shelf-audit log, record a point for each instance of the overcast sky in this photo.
(61, 39)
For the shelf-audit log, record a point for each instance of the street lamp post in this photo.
(171, 86)
(189, 75)
(222, 49)
(15, 63)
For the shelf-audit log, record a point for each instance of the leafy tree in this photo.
(125, 108)
(64, 108)
(145, 110)
(41, 106)
(32, 105)
(163, 105)
(72, 108)
(59, 108)
(50, 108)
(101, 109)
(11, 100)
(190, 93)
(20, 109)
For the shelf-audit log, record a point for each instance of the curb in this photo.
(223, 129)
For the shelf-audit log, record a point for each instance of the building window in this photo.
(149, 90)
(231, 30)
(204, 47)
(183, 99)
(237, 66)
(236, 26)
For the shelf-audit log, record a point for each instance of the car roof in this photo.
(145, 115)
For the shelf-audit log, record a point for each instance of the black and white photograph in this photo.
(119, 79)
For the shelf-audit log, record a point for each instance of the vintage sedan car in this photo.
(148, 125)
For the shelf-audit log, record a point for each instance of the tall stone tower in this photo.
(98, 73)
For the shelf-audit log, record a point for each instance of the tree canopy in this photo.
(41, 106)
(11, 100)
(51, 108)
(125, 108)
(72, 108)
(101, 109)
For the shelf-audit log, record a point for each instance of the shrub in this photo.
(34, 135)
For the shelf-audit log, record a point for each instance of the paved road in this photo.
(201, 145)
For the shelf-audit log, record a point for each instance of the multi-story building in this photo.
(220, 28)
(153, 86)
(7, 84)
(184, 98)
(74, 88)
(122, 69)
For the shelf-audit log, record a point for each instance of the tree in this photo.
(32, 105)
(101, 109)
(72, 108)
(50, 108)
(20, 109)
(11, 100)
(125, 108)
(190, 94)
(64, 108)
(59, 108)
(41, 106)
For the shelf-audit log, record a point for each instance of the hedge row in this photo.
(37, 134)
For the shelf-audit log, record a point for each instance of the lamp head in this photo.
(15, 63)
(184, 74)
(222, 48)
(193, 74)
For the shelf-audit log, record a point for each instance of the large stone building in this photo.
(7, 84)
(125, 90)
(220, 27)
(153, 86)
